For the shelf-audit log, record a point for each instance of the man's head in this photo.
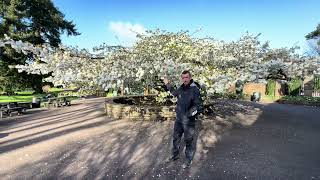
(186, 77)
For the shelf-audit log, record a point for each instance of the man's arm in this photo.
(172, 90)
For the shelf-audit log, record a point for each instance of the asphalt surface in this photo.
(240, 140)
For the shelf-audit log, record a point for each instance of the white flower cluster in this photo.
(214, 64)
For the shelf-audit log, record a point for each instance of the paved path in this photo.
(240, 141)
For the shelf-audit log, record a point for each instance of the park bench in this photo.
(25, 105)
(57, 102)
(11, 108)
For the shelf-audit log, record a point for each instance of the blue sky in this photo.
(284, 23)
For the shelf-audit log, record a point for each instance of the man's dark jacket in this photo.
(189, 102)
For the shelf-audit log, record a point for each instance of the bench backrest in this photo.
(12, 105)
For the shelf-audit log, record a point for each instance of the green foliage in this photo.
(54, 89)
(294, 86)
(109, 94)
(25, 93)
(33, 21)
(316, 82)
(271, 87)
(307, 100)
(314, 34)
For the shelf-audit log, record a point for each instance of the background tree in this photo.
(215, 64)
(37, 22)
(314, 38)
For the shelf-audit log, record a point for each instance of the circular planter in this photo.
(138, 112)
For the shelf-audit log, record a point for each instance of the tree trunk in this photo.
(122, 88)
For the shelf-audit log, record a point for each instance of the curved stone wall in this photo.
(134, 112)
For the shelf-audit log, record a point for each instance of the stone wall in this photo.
(249, 88)
(133, 112)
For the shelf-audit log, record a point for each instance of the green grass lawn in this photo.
(19, 98)
(56, 90)
(25, 93)
(26, 96)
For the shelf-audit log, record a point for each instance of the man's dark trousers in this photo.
(188, 131)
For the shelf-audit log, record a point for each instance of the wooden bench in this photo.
(10, 108)
(2, 111)
(57, 102)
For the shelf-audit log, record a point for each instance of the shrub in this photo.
(316, 82)
(294, 86)
(271, 87)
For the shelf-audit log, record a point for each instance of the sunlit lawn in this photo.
(19, 98)
(25, 96)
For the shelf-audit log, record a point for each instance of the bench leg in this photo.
(21, 111)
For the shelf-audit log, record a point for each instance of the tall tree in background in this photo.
(34, 21)
(314, 36)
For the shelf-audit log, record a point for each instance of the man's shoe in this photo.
(187, 164)
(171, 159)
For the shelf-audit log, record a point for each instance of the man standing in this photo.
(188, 106)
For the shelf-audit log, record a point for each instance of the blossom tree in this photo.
(215, 64)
